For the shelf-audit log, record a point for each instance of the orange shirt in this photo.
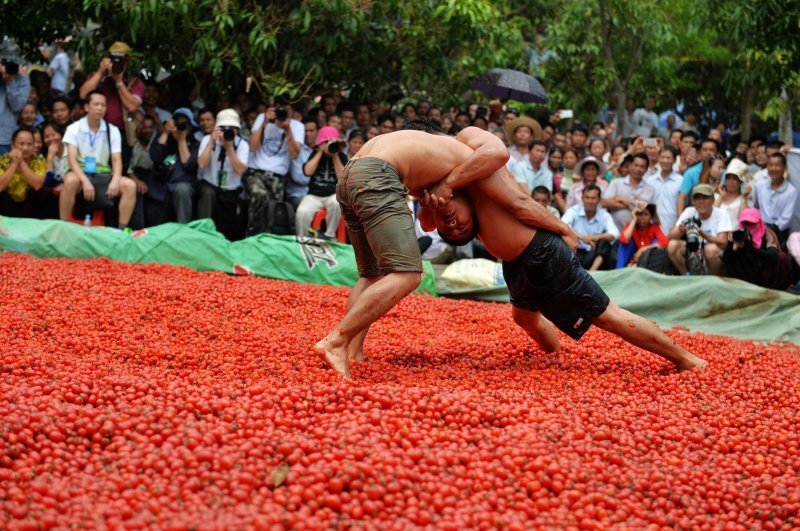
(643, 238)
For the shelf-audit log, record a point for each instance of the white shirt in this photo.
(776, 205)
(644, 122)
(224, 177)
(91, 144)
(601, 223)
(665, 198)
(716, 223)
(273, 155)
(60, 66)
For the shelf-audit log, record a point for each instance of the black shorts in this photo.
(548, 278)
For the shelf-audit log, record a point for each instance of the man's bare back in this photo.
(423, 159)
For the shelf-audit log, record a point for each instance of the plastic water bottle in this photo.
(87, 221)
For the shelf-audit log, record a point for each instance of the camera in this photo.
(11, 67)
(281, 114)
(118, 63)
(740, 236)
(228, 134)
(182, 125)
(333, 146)
(692, 234)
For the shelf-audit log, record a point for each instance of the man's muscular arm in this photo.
(490, 155)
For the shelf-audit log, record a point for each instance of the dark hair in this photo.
(601, 124)
(462, 113)
(345, 106)
(643, 156)
(627, 159)
(204, 110)
(480, 117)
(93, 93)
(62, 99)
(469, 237)
(541, 190)
(779, 156)
(598, 139)
(385, 116)
(421, 124)
(407, 105)
(579, 128)
(653, 213)
(760, 139)
(537, 143)
(706, 140)
(310, 120)
(671, 150)
(675, 130)
(691, 134)
(357, 133)
(20, 130)
(60, 129)
(592, 188)
(551, 126)
(775, 144)
(148, 117)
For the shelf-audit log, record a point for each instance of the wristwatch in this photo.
(120, 84)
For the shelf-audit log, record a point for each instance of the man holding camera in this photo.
(175, 165)
(702, 231)
(274, 143)
(222, 162)
(14, 89)
(324, 168)
(121, 96)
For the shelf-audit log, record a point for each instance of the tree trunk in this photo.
(748, 93)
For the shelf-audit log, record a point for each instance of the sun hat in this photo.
(327, 133)
(737, 168)
(121, 48)
(601, 168)
(9, 51)
(228, 118)
(183, 111)
(703, 189)
(524, 121)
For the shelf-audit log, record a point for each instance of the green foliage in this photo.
(33, 23)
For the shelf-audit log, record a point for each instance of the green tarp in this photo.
(707, 304)
(196, 245)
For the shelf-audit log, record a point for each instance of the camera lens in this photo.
(333, 147)
(228, 134)
(281, 114)
(181, 126)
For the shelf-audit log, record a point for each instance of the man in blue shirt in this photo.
(708, 148)
(14, 90)
(595, 229)
(532, 171)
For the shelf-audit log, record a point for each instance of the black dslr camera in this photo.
(740, 236)
(118, 63)
(181, 125)
(280, 114)
(692, 234)
(333, 146)
(11, 67)
(228, 134)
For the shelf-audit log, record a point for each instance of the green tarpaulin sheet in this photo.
(196, 245)
(707, 304)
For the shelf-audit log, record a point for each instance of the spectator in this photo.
(500, 133)
(22, 171)
(222, 161)
(570, 161)
(598, 148)
(27, 116)
(763, 153)
(555, 161)
(205, 121)
(776, 198)
(652, 148)
(435, 114)
(363, 120)
(149, 209)
(409, 112)
(668, 131)
(59, 111)
(691, 177)
(274, 143)
(594, 229)
(77, 110)
(588, 170)
(95, 162)
(59, 69)
(579, 136)
(560, 141)
(712, 235)
(640, 237)
(548, 131)
(123, 93)
(38, 141)
(623, 194)
(688, 154)
(150, 96)
(355, 142)
(324, 168)
(753, 254)
(385, 124)
(297, 184)
(347, 113)
(630, 125)
(674, 138)
(543, 196)
(334, 120)
(481, 122)
(463, 119)
(423, 108)
(532, 171)
(646, 120)
(711, 172)
(175, 165)
(614, 162)
(523, 131)
(666, 187)
(57, 159)
(372, 132)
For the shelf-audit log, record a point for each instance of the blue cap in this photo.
(187, 113)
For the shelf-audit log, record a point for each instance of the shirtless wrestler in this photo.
(547, 283)
(373, 197)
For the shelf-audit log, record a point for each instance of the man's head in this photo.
(688, 141)
(509, 116)
(434, 113)
(649, 103)
(362, 115)
(409, 111)
(348, 115)
(328, 103)
(715, 135)
(776, 166)
(120, 54)
(95, 105)
(639, 165)
(463, 119)
(524, 130)
(560, 140)
(537, 153)
(206, 120)
(548, 131)
(703, 200)
(591, 198)
(709, 148)
(385, 124)
(652, 149)
(59, 111)
(334, 120)
(151, 93)
(675, 138)
(312, 128)
(666, 159)
(630, 105)
(424, 125)
(542, 196)
(457, 223)
(774, 147)
(144, 131)
(580, 133)
(598, 147)
(423, 107)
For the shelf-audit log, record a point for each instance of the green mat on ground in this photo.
(707, 304)
(196, 245)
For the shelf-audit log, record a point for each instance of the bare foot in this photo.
(694, 363)
(335, 358)
(358, 355)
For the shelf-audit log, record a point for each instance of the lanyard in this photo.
(93, 137)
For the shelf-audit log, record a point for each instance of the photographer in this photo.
(274, 143)
(324, 167)
(753, 255)
(14, 89)
(222, 161)
(699, 235)
(175, 164)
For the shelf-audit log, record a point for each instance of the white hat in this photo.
(228, 118)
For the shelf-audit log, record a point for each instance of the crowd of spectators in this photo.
(658, 192)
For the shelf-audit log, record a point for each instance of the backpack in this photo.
(656, 259)
(279, 217)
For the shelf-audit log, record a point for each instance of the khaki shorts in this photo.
(379, 222)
